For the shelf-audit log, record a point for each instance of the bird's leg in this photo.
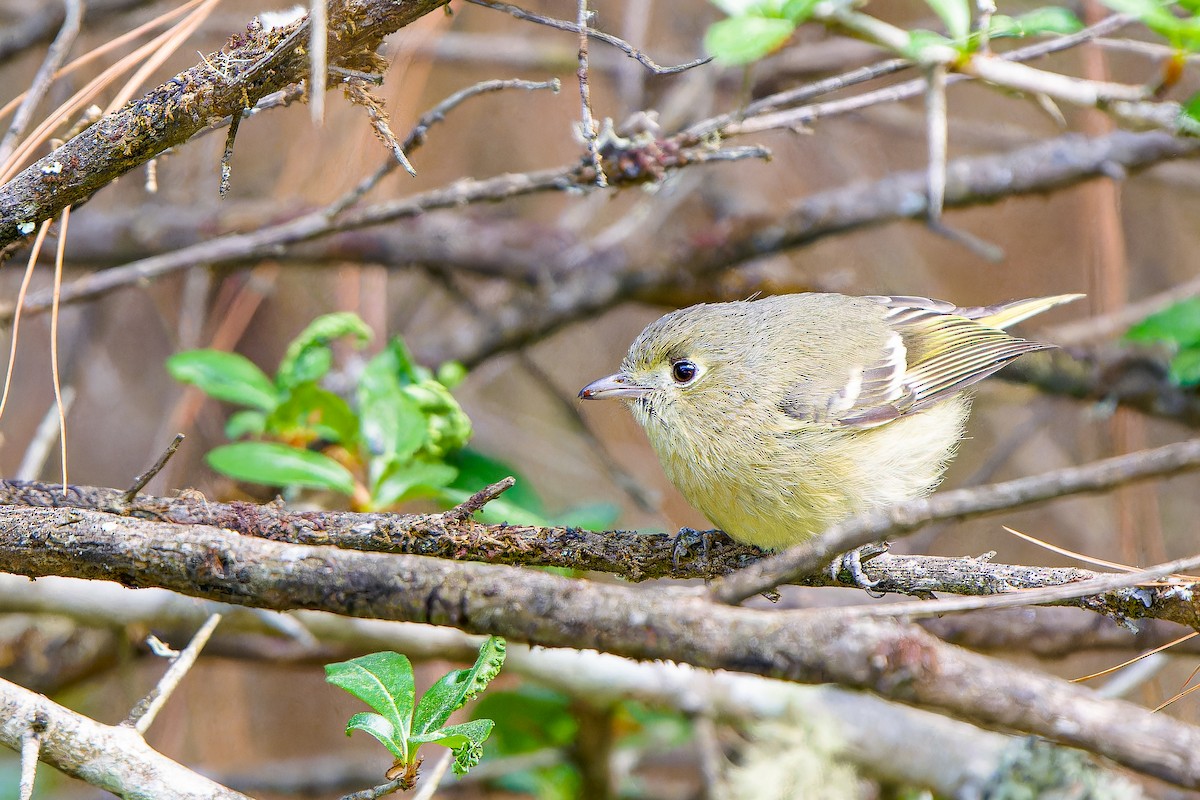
(682, 541)
(852, 562)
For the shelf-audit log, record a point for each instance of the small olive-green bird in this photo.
(781, 416)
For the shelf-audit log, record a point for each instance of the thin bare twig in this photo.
(607, 38)
(140, 481)
(420, 131)
(44, 437)
(376, 792)
(143, 714)
(936, 132)
(31, 749)
(59, 256)
(430, 783)
(318, 47)
(55, 56)
(227, 154)
(356, 89)
(587, 122)
(1045, 595)
(798, 117)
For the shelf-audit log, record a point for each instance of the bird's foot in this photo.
(852, 562)
(683, 541)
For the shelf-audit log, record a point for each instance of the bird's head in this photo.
(686, 369)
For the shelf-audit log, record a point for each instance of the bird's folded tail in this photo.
(1003, 315)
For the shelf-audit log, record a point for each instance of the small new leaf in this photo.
(308, 356)
(955, 15)
(416, 478)
(381, 729)
(245, 423)
(465, 740)
(742, 40)
(225, 376)
(277, 464)
(384, 681)
(455, 689)
(1177, 325)
(1192, 107)
(1040, 21)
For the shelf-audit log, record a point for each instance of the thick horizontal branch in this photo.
(900, 662)
(868, 731)
(257, 64)
(638, 556)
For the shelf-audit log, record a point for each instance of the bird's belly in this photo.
(788, 487)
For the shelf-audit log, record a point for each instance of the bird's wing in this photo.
(929, 354)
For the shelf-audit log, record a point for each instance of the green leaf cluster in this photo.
(404, 437)
(956, 16)
(384, 681)
(1177, 328)
(1178, 23)
(391, 447)
(756, 28)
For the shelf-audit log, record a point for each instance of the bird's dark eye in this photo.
(683, 371)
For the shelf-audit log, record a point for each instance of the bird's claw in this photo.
(852, 562)
(682, 541)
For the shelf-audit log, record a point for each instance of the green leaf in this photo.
(1181, 32)
(919, 41)
(1191, 108)
(280, 465)
(1177, 325)
(1038, 22)
(798, 11)
(382, 730)
(455, 689)
(1185, 367)
(451, 374)
(742, 8)
(476, 470)
(591, 516)
(955, 14)
(384, 681)
(405, 480)
(309, 357)
(316, 411)
(225, 376)
(392, 424)
(742, 40)
(245, 423)
(466, 740)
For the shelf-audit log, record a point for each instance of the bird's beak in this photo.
(619, 385)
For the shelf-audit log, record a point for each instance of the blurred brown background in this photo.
(1114, 241)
